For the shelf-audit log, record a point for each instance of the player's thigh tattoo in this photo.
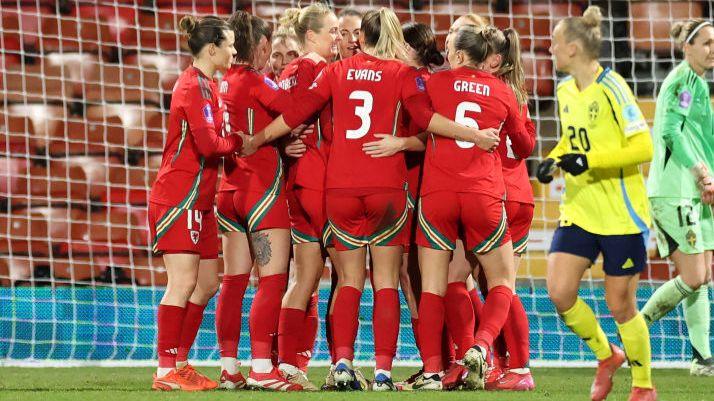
(261, 248)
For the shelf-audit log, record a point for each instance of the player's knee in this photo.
(694, 281)
(562, 299)
(182, 289)
(623, 310)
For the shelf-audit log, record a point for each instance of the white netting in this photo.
(85, 88)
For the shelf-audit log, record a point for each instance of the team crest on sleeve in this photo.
(270, 83)
(208, 113)
(421, 85)
(685, 99)
(631, 112)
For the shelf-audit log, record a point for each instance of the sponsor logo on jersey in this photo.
(208, 113)
(224, 87)
(421, 85)
(195, 236)
(685, 99)
(270, 83)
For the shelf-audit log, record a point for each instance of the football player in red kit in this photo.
(252, 213)
(368, 208)
(181, 217)
(470, 180)
(317, 32)
(505, 63)
(423, 56)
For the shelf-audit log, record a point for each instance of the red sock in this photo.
(191, 323)
(346, 322)
(448, 352)
(499, 354)
(385, 323)
(515, 332)
(289, 328)
(264, 314)
(478, 306)
(311, 324)
(431, 328)
(459, 317)
(495, 311)
(415, 327)
(229, 313)
(169, 321)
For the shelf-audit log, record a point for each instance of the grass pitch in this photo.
(125, 384)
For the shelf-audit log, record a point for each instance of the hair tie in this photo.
(695, 30)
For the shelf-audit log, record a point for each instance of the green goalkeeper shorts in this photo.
(682, 224)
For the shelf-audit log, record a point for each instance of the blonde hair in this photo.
(383, 35)
(301, 20)
(512, 70)
(586, 29)
(681, 30)
(475, 19)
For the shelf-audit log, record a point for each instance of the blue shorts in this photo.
(623, 255)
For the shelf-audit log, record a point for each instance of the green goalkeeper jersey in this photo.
(682, 134)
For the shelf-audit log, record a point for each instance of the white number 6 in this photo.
(461, 118)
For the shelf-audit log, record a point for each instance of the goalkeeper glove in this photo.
(573, 163)
(544, 173)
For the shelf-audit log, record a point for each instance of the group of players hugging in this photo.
(336, 136)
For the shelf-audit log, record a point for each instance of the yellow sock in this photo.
(581, 320)
(636, 338)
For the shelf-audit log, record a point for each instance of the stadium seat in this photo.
(127, 185)
(117, 83)
(13, 172)
(79, 137)
(156, 31)
(157, 126)
(24, 233)
(76, 270)
(24, 20)
(59, 221)
(535, 21)
(651, 23)
(12, 48)
(75, 68)
(15, 270)
(16, 133)
(145, 271)
(106, 232)
(183, 7)
(34, 83)
(4, 273)
(168, 66)
(133, 120)
(74, 33)
(538, 68)
(43, 121)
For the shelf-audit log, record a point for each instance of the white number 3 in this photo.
(363, 113)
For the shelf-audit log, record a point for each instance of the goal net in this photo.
(85, 89)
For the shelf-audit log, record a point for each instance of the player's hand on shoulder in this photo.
(386, 146)
(545, 171)
(487, 138)
(574, 163)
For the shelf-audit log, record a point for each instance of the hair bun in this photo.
(592, 17)
(188, 24)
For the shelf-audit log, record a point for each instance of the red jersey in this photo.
(477, 99)
(367, 94)
(189, 166)
(415, 160)
(513, 155)
(308, 171)
(252, 101)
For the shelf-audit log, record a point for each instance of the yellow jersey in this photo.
(600, 118)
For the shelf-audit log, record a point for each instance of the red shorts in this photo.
(478, 219)
(177, 230)
(367, 217)
(308, 218)
(520, 217)
(240, 210)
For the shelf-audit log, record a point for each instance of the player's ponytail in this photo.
(421, 38)
(203, 31)
(383, 35)
(586, 29)
(474, 42)
(512, 65)
(685, 32)
(301, 20)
